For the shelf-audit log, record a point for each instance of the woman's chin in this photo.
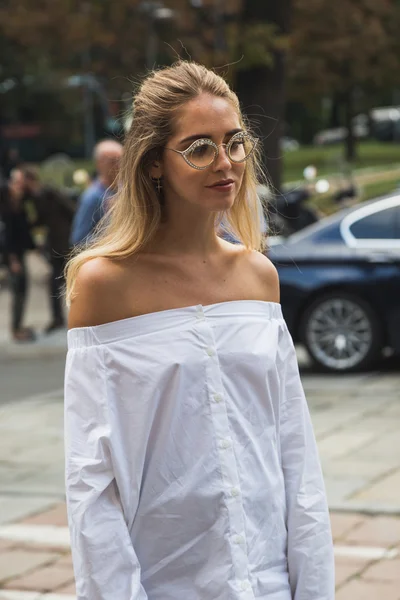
(223, 202)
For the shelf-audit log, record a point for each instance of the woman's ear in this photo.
(155, 170)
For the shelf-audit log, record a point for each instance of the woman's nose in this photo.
(222, 162)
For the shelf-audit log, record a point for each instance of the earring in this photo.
(157, 181)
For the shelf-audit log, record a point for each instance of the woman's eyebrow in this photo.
(200, 136)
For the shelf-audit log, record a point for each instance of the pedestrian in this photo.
(10, 160)
(92, 204)
(192, 470)
(17, 242)
(55, 210)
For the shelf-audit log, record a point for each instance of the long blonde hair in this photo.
(136, 210)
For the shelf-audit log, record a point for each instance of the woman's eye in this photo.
(201, 150)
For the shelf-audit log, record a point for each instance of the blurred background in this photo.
(320, 80)
(320, 84)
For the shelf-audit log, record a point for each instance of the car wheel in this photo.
(341, 332)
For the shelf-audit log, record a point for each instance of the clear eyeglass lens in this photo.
(202, 155)
(241, 147)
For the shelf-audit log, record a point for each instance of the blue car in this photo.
(340, 285)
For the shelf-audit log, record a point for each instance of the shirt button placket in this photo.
(228, 465)
(200, 316)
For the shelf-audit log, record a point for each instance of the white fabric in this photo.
(191, 466)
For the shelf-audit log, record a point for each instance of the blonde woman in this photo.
(191, 466)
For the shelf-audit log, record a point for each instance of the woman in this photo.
(192, 471)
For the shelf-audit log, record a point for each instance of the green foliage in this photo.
(257, 45)
(330, 159)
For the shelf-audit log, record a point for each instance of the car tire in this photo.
(341, 333)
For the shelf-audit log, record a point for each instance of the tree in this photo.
(261, 77)
(70, 36)
(109, 39)
(344, 50)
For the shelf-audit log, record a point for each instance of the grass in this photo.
(330, 159)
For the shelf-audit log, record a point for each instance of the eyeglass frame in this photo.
(201, 141)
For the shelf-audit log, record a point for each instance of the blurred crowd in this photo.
(26, 204)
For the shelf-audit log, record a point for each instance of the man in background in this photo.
(55, 210)
(91, 206)
(17, 241)
(10, 160)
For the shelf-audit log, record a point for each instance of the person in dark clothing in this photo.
(10, 160)
(55, 210)
(17, 241)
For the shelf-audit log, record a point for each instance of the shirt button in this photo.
(235, 492)
(200, 315)
(239, 539)
(225, 444)
(210, 351)
(218, 397)
(245, 585)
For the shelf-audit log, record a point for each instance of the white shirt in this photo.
(191, 466)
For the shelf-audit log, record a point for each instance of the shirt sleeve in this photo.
(310, 547)
(105, 564)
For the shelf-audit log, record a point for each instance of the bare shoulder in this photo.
(95, 292)
(265, 274)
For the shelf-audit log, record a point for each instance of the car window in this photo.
(382, 225)
(330, 233)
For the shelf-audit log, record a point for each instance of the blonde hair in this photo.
(136, 210)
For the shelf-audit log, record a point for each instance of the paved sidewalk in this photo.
(35, 562)
(356, 420)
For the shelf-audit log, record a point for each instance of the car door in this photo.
(374, 232)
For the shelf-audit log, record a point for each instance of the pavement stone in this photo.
(68, 589)
(65, 561)
(344, 572)
(46, 579)
(358, 589)
(377, 531)
(17, 595)
(382, 492)
(342, 524)
(14, 506)
(388, 571)
(55, 516)
(17, 562)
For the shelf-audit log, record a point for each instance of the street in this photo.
(356, 420)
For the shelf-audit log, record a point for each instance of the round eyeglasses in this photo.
(202, 153)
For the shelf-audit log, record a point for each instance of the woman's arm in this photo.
(310, 548)
(105, 564)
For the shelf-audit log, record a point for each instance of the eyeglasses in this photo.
(203, 153)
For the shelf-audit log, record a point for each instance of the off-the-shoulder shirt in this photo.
(192, 471)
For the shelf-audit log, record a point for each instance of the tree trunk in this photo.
(351, 153)
(261, 89)
(334, 119)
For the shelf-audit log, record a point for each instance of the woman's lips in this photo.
(222, 187)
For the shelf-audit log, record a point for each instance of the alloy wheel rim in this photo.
(339, 333)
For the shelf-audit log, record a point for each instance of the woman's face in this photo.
(215, 187)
